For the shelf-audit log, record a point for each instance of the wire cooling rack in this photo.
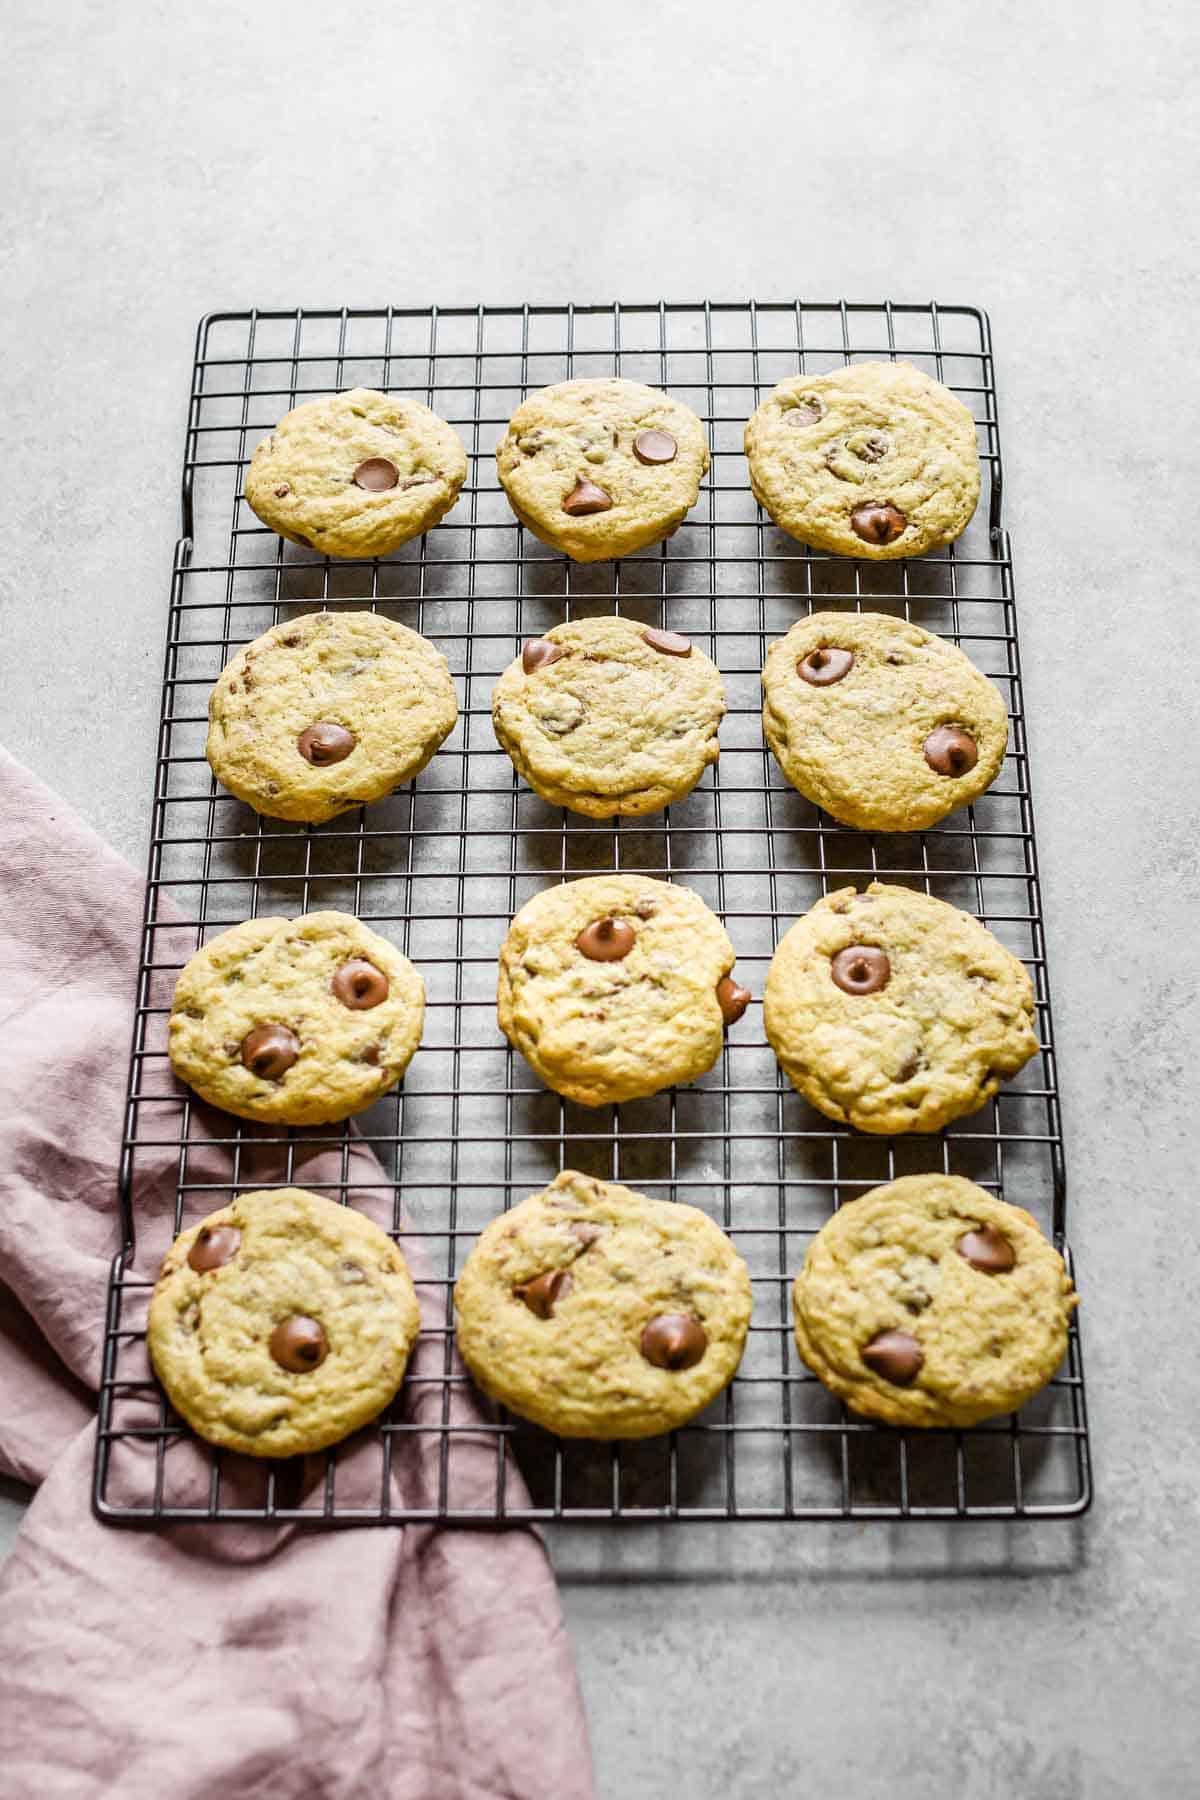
(440, 867)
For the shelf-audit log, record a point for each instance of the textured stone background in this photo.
(1038, 160)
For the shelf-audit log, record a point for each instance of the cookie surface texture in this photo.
(608, 986)
(601, 467)
(356, 474)
(326, 713)
(599, 719)
(896, 1012)
(959, 1303)
(281, 1323)
(877, 460)
(882, 724)
(295, 1021)
(599, 1313)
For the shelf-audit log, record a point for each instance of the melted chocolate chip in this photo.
(987, 1250)
(269, 1051)
(282, 492)
(732, 999)
(299, 1344)
(323, 743)
(214, 1246)
(539, 653)
(671, 643)
(896, 1355)
(585, 497)
(674, 1341)
(950, 750)
(359, 985)
(807, 411)
(655, 447)
(606, 940)
(543, 1294)
(376, 475)
(860, 969)
(878, 522)
(824, 666)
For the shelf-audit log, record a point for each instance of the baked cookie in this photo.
(600, 1314)
(600, 468)
(281, 1323)
(616, 986)
(608, 716)
(884, 725)
(326, 713)
(876, 460)
(927, 1302)
(356, 474)
(295, 1021)
(896, 1012)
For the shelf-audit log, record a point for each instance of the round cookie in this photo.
(616, 986)
(356, 474)
(295, 1021)
(608, 716)
(884, 725)
(928, 1302)
(328, 712)
(876, 460)
(895, 1011)
(598, 1313)
(601, 467)
(281, 1323)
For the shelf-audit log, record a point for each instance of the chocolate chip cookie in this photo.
(600, 468)
(884, 725)
(616, 986)
(876, 460)
(598, 1313)
(928, 1302)
(281, 1323)
(326, 713)
(896, 1012)
(356, 474)
(295, 1021)
(608, 716)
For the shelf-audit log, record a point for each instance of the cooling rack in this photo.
(440, 867)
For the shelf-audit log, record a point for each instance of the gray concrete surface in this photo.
(163, 160)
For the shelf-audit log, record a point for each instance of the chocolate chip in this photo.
(896, 1355)
(585, 497)
(671, 643)
(359, 985)
(674, 1341)
(807, 410)
(869, 446)
(732, 999)
(539, 653)
(269, 1051)
(543, 1294)
(646, 907)
(214, 1246)
(878, 522)
(860, 969)
(823, 666)
(281, 492)
(299, 1344)
(950, 750)
(987, 1250)
(323, 743)
(376, 475)
(586, 1233)
(606, 940)
(655, 447)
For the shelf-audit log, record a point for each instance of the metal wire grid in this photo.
(441, 866)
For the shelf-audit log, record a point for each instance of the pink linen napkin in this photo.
(402, 1663)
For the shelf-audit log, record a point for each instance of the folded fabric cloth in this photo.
(402, 1663)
